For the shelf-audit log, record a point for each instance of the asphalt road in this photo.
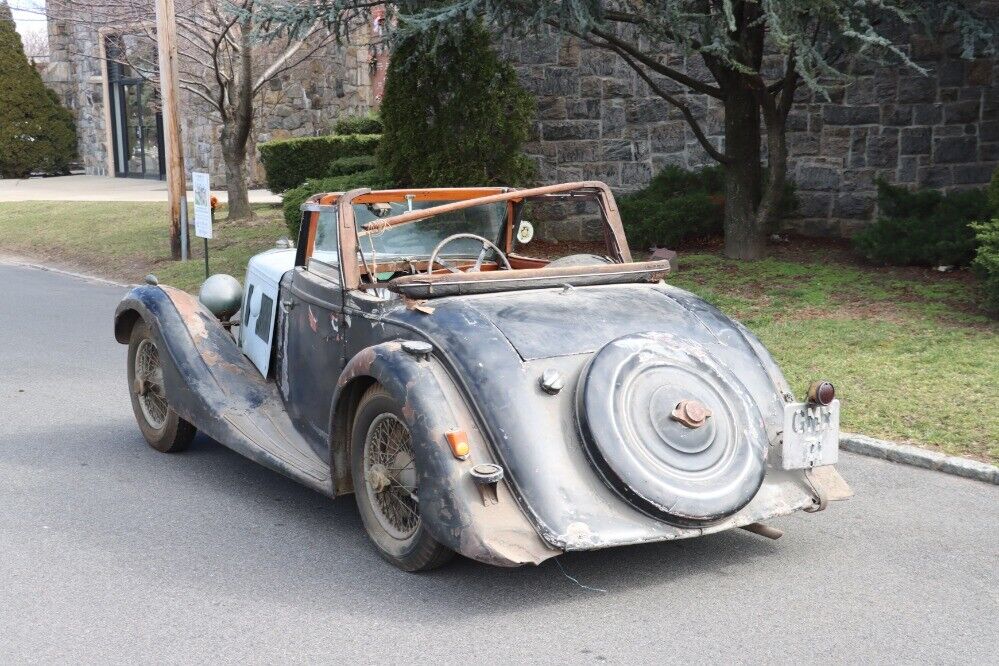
(110, 551)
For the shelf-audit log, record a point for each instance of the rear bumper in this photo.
(782, 493)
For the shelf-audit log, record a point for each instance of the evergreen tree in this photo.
(36, 132)
(453, 113)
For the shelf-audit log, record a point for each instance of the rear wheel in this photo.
(160, 425)
(386, 485)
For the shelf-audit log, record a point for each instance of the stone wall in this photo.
(74, 72)
(598, 119)
(301, 102)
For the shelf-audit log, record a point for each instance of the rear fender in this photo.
(450, 502)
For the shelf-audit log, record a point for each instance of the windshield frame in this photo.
(348, 232)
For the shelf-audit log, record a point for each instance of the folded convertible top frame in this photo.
(448, 284)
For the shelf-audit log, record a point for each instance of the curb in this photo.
(907, 454)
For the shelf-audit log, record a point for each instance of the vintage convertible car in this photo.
(477, 394)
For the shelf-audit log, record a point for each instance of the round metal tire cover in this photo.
(685, 475)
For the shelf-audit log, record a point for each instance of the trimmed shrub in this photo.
(293, 199)
(986, 262)
(923, 227)
(37, 133)
(676, 206)
(454, 113)
(366, 124)
(290, 162)
(348, 165)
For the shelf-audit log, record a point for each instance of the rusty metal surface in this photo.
(210, 383)
(497, 347)
(495, 532)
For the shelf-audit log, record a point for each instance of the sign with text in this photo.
(202, 205)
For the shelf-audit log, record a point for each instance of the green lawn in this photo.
(910, 355)
(125, 241)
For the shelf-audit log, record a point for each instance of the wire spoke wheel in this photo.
(148, 384)
(390, 476)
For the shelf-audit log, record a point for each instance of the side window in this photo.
(325, 249)
(263, 328)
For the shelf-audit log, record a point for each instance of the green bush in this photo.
(348, 165)
(986, 262)
(290, 162)
(37, 133)
(366, 124)
(676, 206)
(293, 199)
(454, 113)
(679, 205)
(924, 227)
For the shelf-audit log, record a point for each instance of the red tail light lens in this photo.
(821, 393)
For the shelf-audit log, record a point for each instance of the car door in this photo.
(315, 350)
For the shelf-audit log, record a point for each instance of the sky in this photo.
(27, 15)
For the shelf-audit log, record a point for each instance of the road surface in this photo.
(110, 551)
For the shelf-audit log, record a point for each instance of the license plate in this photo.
(811, 435)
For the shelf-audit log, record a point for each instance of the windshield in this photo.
(418, 239)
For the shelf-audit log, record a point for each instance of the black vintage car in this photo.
(482, 388)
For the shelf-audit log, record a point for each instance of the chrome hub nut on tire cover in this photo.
(670, 429)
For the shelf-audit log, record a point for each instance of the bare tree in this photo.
(36, 44)
(222, 63)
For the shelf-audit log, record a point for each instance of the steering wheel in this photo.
(486, 245)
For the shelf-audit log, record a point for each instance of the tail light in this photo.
(821, 393)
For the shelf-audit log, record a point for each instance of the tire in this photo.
(386, 507)
(160, 425)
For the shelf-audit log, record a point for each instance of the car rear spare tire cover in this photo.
(681, 474)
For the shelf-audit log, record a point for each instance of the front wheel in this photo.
(160, 425)
(386, 485)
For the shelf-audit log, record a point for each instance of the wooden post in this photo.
(166, 38)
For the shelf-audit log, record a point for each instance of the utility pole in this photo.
(166, 39)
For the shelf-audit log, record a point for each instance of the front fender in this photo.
(450, 502)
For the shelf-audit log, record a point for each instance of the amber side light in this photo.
(458, 441)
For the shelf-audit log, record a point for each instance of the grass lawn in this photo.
(911, 357)
(126, 241)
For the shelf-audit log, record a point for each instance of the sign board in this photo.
(202, 205)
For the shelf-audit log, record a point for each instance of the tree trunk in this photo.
(744, 234)
(235, 178)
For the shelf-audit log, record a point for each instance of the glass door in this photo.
(136, 121)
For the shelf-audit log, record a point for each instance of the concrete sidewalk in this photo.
(102, 188)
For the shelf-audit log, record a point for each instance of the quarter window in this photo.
(264, 318)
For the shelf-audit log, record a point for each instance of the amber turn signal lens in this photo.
(458, 441)
(821, 393)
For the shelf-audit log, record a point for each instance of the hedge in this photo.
(923, 227)
(293, 199)
(367, 124)
(679, 206)
(290, 162)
